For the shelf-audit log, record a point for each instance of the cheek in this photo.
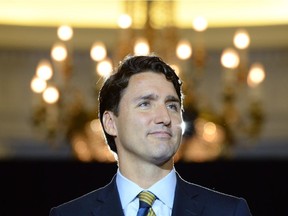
(144, 119)
(133, 121)
(177, 119)
(178, 124)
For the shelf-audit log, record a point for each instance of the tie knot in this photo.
(147, 197)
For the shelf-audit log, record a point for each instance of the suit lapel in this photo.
(185, 202)
(108, 201)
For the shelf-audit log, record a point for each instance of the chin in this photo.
(163, 157)
(165, 161)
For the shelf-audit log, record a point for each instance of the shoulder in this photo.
(83, 205)
(211, 199)
(195, 189)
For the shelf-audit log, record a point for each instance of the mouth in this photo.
(161, 134)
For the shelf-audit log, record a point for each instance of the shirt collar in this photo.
(163, 189)
(126, 196)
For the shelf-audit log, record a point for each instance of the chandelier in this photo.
(145, 27)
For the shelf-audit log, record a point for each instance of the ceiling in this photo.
(33, 23)
(104, 14)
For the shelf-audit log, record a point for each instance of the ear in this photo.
(109, 123)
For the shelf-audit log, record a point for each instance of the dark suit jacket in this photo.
(190, 199)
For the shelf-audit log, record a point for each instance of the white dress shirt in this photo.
(164, 190)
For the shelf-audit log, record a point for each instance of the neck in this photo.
(145, 175)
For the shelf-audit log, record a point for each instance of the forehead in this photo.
(150, 82)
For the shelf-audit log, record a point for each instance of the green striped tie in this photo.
(146, 200)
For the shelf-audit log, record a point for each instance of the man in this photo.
(141, 113)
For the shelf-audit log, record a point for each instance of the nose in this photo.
(162, 116)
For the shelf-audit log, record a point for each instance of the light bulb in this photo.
(141, 47)
(44, 70)
(230, 58)
(38, 85)
(241, 39)
(59, 52)
(104, 68)
(51, 95)
(184, 50)
(98, 51)
(256, 75)
(65, 32)
(124, 21)
(200, 24)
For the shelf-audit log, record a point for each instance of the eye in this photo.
(144, 104)
(173, 106)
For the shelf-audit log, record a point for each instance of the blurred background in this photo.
(54, 56)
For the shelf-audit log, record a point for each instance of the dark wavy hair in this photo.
(112, 89)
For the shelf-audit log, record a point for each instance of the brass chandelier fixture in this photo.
(145, 27)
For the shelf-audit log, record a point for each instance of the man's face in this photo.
(148, 127)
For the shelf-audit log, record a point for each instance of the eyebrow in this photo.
(146, 97)
(152, 96)
(172, 98)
